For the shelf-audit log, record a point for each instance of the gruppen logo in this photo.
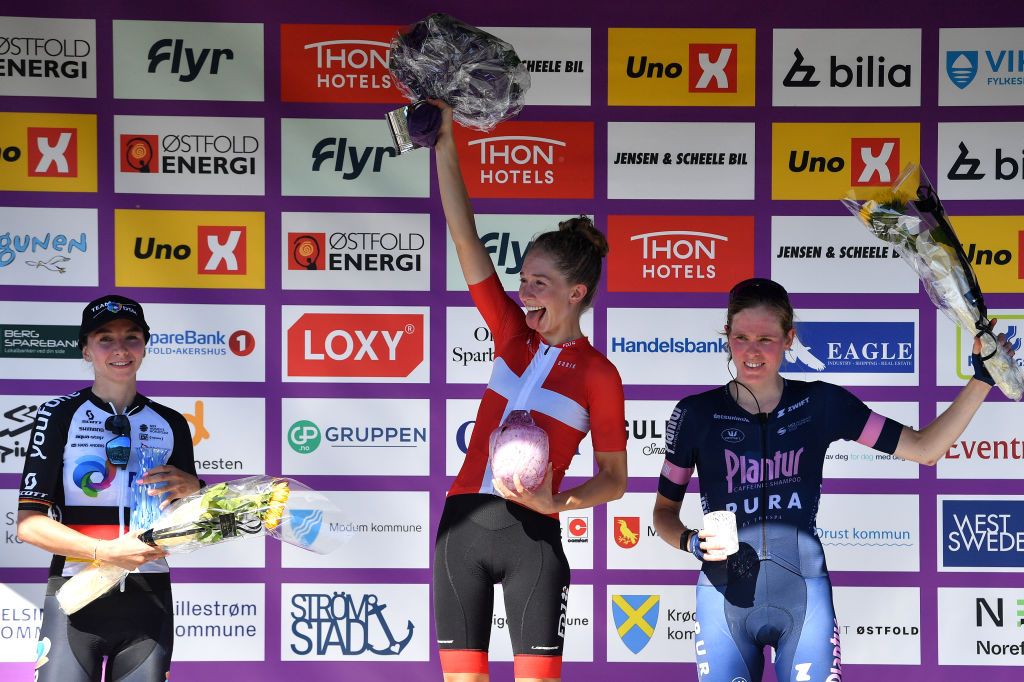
(304, 436)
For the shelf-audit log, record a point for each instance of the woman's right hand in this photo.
(710, 547)
(128, 551)
(445, 134)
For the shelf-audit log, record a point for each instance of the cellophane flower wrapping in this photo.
(247, 507)
(479, 75)
(520, 447)
(145, 508)
(892, 217)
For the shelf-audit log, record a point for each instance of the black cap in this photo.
(107, 309)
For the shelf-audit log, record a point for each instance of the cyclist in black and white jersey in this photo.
(74, 498)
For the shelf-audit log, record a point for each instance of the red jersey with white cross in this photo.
(569, 389)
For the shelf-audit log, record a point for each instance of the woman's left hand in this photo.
(540, 500)
(176, 483)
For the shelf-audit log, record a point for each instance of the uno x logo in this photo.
(712, 68)
(874, 161)
(221, 250)
(53, 152)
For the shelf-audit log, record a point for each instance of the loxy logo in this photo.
(679, 253)
(53, 152)
(529, 159)
(187, 63)
(874, 161)
(337, 63)
(356, 344)
(306, 251)
(626, 531)
(349, 161)
(713, 67)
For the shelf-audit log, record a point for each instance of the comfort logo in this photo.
(337, 63)
(577, 529)
(824, 160)
(681, 67)
(526, 159)
(355, 345)
(679, 253)
(48, 152)
(189, 249)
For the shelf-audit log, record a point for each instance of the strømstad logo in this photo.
(344, 622)
(961, 67)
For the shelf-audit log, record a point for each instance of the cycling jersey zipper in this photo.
(763, 419)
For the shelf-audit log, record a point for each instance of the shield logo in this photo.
(961, 67)
(635, 617)
(626, 531)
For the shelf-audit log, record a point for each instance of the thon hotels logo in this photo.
(981, 533)
(337, 63)
(680, 67)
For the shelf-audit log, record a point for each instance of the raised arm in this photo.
(473, 257)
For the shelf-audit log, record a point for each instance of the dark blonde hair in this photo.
(757, 291)
(577, 248)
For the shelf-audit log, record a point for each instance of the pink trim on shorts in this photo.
(872, 430)
(677, 475)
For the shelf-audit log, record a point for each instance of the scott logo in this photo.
(168, 50)
(874, 161)
(355, 344)
(337, 148)
(53, 152)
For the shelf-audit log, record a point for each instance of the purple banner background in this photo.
(571, 13)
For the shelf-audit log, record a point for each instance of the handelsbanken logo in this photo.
(356, 344)
(982, 533)
(529, 159)
(869, 347)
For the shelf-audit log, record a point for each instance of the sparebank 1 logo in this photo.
(635, 617)
(52, 152)
(344, 623)
(626, 531)
(306, 251)
(961, 67)
(304, 436)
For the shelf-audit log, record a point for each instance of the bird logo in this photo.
(626, 531)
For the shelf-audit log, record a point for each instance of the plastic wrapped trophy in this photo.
(440, 57)
(519, 449)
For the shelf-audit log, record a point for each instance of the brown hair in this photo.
(755, 292)
(577, 248)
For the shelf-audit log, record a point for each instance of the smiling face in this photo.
(115, 350)
(552, 303)
(758, 343)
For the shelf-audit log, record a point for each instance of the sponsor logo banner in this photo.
(188, 155)
(228, 434)
(577, 532)
(576, 621)
(652, 623)
(646, 421)
(347, 158)
(631, 541)
(355, 621)
(356, 251)
(17, 553)
(337, 63)
(17, 415)
(48, 246)
(558, 60)
(681, 67)
(825, 254)
(980, 67)
(879, 625)
(980, 626)
(679, 253)
(48, 57)
(850, 459)
(355, 437)
(356, 344)
(380, 530)
(953, 362)
(191, 342)
(989, 448)
(189, 249)
(870, 532)
(994, 245)
(219, 621)
(827, 160)
(980, 160)
(855, 347)
(469, 345)
(846, 67)
(21, 618)
(188, 60)
(460, 418)
(642, 342)
(529, 160)
(48, 152)
(980, 534)
(680, 160)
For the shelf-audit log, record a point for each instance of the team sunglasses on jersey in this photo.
(119, 448)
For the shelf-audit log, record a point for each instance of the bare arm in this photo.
(670, 528)
(40, 530)
(473, 257)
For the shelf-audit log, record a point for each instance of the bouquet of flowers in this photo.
(910, 217)
(258, 505)
(440, 57)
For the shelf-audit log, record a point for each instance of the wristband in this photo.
(95, 548)
(980, 371)
(693, 545)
